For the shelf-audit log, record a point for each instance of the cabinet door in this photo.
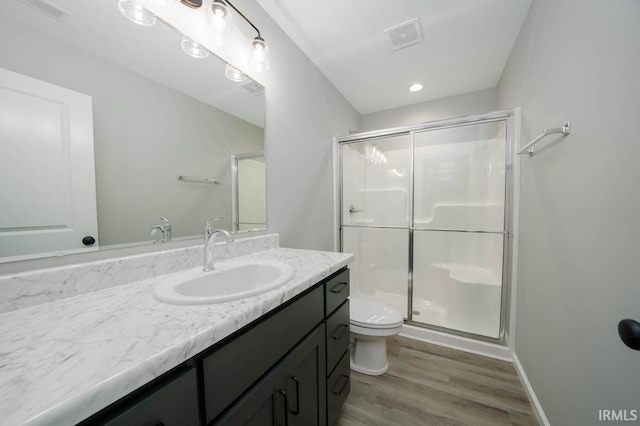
(338, 336)
(338, 387)
(233, 368)
(305, 370)
(292, 393)
(174, 402)
(265, 404)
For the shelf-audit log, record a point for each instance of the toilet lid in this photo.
(372, 314)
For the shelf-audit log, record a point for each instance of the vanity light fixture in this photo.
(220, 25)
(136, 13)
(234, 74)
(219, 22)
(415, 87)
(193, 4)
(194, 49)
(218, 18)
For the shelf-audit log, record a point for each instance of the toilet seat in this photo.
(377, 326)
(375, 315)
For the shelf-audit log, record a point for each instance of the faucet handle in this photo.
(209, 224)
(166, 221)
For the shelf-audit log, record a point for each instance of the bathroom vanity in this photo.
(290, 366)
(117, 356)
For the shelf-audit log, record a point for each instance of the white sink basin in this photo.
(229, 281)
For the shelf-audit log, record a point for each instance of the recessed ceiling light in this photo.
(416, 87)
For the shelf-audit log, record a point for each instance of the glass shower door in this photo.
(376, 176)
(459, 227)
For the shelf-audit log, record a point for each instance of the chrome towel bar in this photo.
(565, 130)
(198, 179)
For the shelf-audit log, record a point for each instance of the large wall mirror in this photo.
(158, 114)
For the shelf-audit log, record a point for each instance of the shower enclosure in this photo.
(425, 210)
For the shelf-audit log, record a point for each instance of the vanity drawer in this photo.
(234, 367)
(337, 335)
(338, 387)
(336, 291)
(173, 402)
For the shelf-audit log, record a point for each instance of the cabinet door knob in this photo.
(629, 331)
(338, 287)
(297, 385)
(88, 240)
(339, 332)
(344, 379)
(286, 409)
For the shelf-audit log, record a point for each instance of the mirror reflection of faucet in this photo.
(166, 230)
(210, 235)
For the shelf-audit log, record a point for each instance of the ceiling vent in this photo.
(49, 9)
(404, 35)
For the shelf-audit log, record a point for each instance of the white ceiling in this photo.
(465, 45)
(98, 27)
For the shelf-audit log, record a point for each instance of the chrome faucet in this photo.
(209, 239)
(166, 230)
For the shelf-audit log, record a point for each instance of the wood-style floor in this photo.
(433, 385)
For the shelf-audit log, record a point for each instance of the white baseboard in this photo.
(537, 408)
(457, 342)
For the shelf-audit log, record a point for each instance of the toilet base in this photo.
(369, 355)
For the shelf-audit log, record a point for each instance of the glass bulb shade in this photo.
(194, 49)
(234, 74)
(259, 57)
(136, 13)
(218, 23)
(219, 8)
(416, 87)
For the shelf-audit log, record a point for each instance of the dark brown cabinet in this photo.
(248, 355)
(292, 393)
(170, 401)
(338, 339)
(289, 367)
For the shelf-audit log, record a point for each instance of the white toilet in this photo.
(371, 323)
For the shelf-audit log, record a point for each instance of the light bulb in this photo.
(219, 23)
(259, 57)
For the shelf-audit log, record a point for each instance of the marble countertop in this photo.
(62, 361)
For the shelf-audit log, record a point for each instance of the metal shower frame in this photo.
(509, 117)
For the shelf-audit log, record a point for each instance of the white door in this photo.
(47, 176)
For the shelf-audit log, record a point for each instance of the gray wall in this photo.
(438, 109)
(578, 61)
(145, 134)
(304, 113)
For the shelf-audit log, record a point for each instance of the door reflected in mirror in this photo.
(157, 114)
(249, 196)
